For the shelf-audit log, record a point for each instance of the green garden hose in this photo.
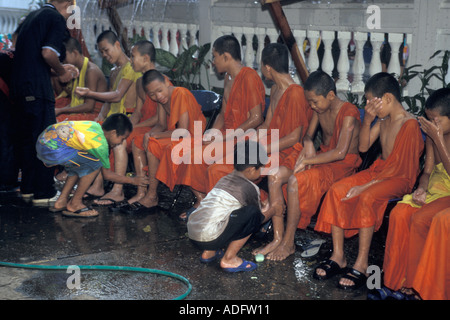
(108, 268)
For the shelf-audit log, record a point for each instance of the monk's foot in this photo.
(149, 202)
(109, 199)
(281, 252)
(136, 198)
(339, 263)
(268, 248)
(353, 279)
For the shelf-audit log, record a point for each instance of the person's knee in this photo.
(292, 186)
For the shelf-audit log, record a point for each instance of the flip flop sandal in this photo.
(79, 214)
(88, 196)
(331, 269)
(219, 254)
(312, 249)
(118, 206)
(135, 208)
(113, 203)
(357, 277)
(188, 213)
(244, 267)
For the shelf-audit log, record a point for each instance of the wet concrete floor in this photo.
(156, 240)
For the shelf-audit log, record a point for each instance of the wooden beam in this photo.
(282, 23)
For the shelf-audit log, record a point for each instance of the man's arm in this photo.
(51, 58)
(110, 96)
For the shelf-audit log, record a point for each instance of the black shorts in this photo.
(242, 223)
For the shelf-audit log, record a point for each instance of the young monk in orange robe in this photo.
(309, 175)
(432, 279)
(410, 220)
(243, 101)
(289, 112)
(357, 203)
(177, 109)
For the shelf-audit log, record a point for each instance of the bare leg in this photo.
(140, 162)
(362, 261)
(338, 256)
(76, 203)
(276, 208)
(287, 246)
(120, 167)
(151, 197)
(63, 199)
(199, 196)
(230, 258)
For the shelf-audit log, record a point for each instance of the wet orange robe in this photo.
(149, 109)
(397, 173)
(313, 183)
(86, 116)
(408, 230)
(247, 92)
(432, 278)
(182, 101)
(291, 112)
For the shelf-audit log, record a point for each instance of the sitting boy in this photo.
(91, 77)
(411, 218)
(82, 147)
(231, 212)
(357, 203)
(308, 174)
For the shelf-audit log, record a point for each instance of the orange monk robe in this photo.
(313, 183)
(247, 92)
(149, 109)
(291, 112)
(432, 278)
(405, 241)
(182, 101)
(397, 175)
(84, 116)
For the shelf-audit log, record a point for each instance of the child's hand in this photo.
(432, 128)
(419, 196)
(371, 110)
(140, 181)
(81, 91)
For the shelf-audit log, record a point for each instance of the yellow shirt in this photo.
(127, 73)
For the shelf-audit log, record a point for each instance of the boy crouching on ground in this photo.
(82, 147)
(231, 211)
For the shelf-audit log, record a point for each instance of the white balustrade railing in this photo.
(350, 53)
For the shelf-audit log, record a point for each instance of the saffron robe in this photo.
(432, 279)
(292, 111)
(408, 228)
(149, 109)
(182, 101)
(247, 92)
(397, 175)
(313, 183)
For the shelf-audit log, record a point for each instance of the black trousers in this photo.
(9, 168)
(242, 223)
(32, 116)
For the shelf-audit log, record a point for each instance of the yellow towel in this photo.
(438, 186)
(79, 82)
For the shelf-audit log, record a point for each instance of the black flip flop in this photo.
(331, 269)
(78, 213)
(356, 276)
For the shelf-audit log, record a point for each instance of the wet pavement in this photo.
(155, 240)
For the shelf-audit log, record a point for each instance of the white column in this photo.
(193, 35)
(343, 66)
(300, 36)
(183, 36)
(173, 45)
(376, 39)
(249, 55)
(313, 60)
(261, 34)
(237, 31)
(358, 65)
(395, 41)
(164, 39)
(155, 32)
(327, 62)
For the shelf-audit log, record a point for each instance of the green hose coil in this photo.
(108, 268)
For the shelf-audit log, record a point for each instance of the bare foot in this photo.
(281, 252)
(267, 249)
(60, 203)
(136, 198)
(149, 201)
(106, 199)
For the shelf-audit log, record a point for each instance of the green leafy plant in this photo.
(185, 70)
(416, 103)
